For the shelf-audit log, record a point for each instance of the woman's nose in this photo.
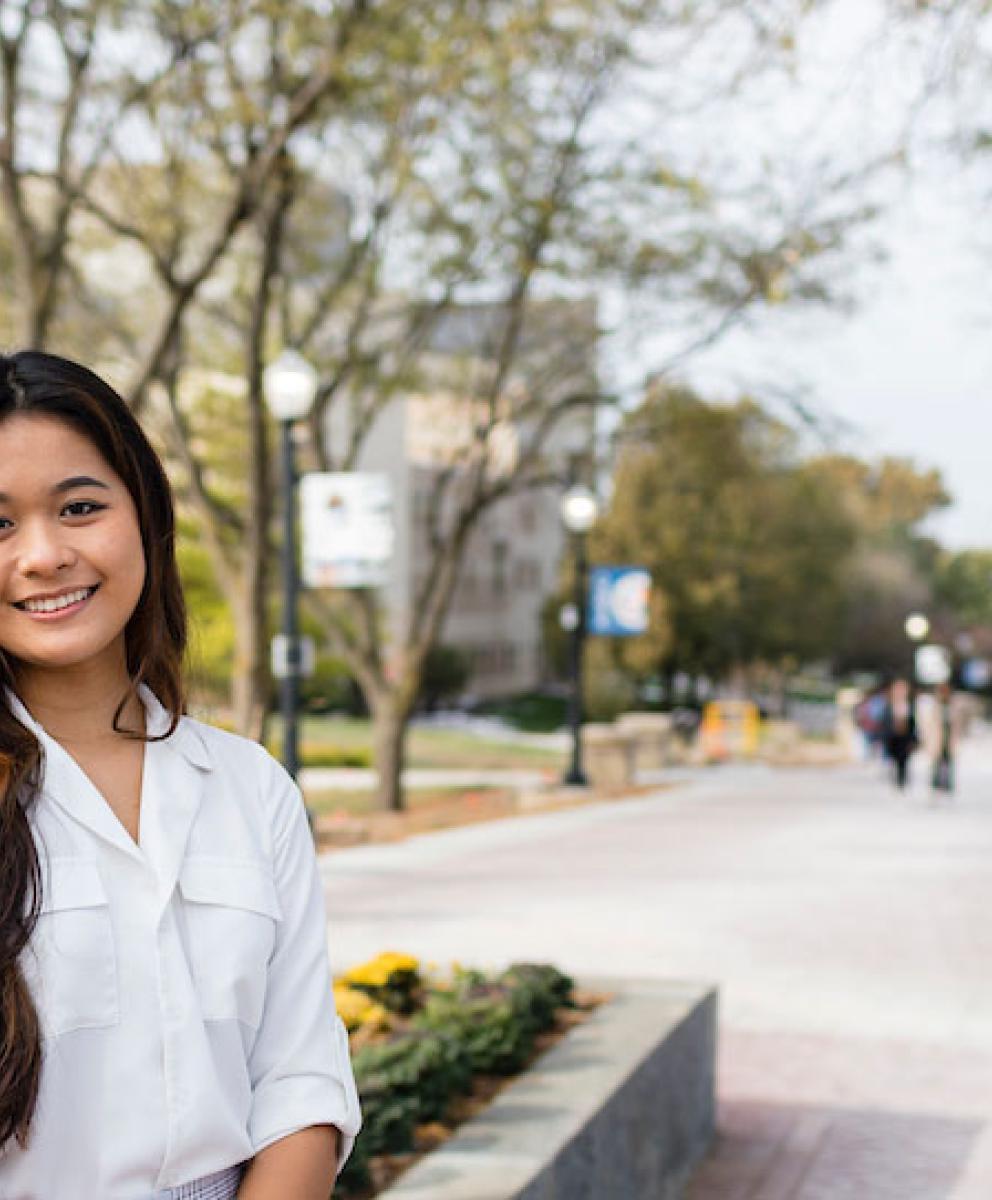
(43, 549)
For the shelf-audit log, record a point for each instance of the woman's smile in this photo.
(56, 606)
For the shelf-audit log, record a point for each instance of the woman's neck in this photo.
(78, 706)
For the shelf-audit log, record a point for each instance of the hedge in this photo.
(442, 1035)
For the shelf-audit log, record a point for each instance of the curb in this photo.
(624, 1106)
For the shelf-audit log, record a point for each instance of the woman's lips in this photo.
(58, 614)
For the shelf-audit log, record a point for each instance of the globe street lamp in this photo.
(579, 510)
(917, 626)
(290, 384)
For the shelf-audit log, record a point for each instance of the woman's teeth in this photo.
(56, 602)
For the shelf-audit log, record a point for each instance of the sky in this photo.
(908, 371)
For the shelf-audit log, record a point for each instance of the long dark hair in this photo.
(36, 384)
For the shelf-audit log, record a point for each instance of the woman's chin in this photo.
(70, 658)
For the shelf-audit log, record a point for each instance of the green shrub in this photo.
(606, 690)
(478, 1025)
(533, 712)
(428, 1067)
(404, 1082)
(497, 1020)
(332, 756)
(447, 671)
(537, 991)
(388, 1122)
(490, 1031)
(327, 756)
(329, 688)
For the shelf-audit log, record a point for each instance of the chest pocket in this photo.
(231, 912)
(72, 963)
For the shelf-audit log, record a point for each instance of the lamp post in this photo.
(579, 510)
(917, 627)
(290, 384)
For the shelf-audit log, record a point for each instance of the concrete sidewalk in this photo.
(847, 925)
(885, 1092)
(365, 778)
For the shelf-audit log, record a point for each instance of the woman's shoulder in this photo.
(222, 743)
(245, 787)
(203, 744)
(233, 758)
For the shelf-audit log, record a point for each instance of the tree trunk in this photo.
(250, 682)
(249, 678)
(390, 723)
(33, 329)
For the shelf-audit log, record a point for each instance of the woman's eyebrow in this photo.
(76, 481)
(68, 485)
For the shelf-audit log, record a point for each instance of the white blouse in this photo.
(183, 984)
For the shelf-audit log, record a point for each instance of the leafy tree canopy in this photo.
(742, 538)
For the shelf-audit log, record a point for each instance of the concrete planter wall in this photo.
(623, 1107)
(652, 738)
(608, 755)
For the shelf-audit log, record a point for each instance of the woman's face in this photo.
(72, 565)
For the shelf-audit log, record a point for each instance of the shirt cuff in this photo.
(286, 1106)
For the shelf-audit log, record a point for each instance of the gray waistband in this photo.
(222, 1185)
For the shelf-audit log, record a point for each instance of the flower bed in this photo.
(428, 1050)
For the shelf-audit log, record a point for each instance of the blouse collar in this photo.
(186, 737)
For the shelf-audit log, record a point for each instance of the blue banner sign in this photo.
(618, 601)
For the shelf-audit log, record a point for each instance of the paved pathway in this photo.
(364, 778)
(849, 927)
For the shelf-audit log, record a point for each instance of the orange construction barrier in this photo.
(729, 729)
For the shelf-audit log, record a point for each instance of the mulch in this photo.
(337, 830)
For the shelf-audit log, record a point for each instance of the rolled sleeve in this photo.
(299, 1066)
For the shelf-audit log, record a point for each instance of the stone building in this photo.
(512, 561)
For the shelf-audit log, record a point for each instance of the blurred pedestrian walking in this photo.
(942, 722)
(900, 736)
(869, 717)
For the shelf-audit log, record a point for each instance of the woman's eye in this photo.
(82, 508)
(6, 523)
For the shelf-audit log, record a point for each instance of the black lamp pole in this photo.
(290, 683)
(576, 776)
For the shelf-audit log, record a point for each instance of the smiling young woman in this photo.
(166, 1016)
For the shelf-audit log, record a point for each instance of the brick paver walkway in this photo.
(902, 1110)
(849, 928)
(821, 1118)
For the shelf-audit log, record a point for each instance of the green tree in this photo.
(963, 587)
(887, 499)
(211, 628)
(743, 541)
(892, 573)
(882, 586)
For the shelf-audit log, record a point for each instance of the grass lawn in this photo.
(427, 747)
(357, 803)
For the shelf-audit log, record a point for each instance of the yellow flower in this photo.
(376, 1017)
(353, 1006)
(378, 971)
